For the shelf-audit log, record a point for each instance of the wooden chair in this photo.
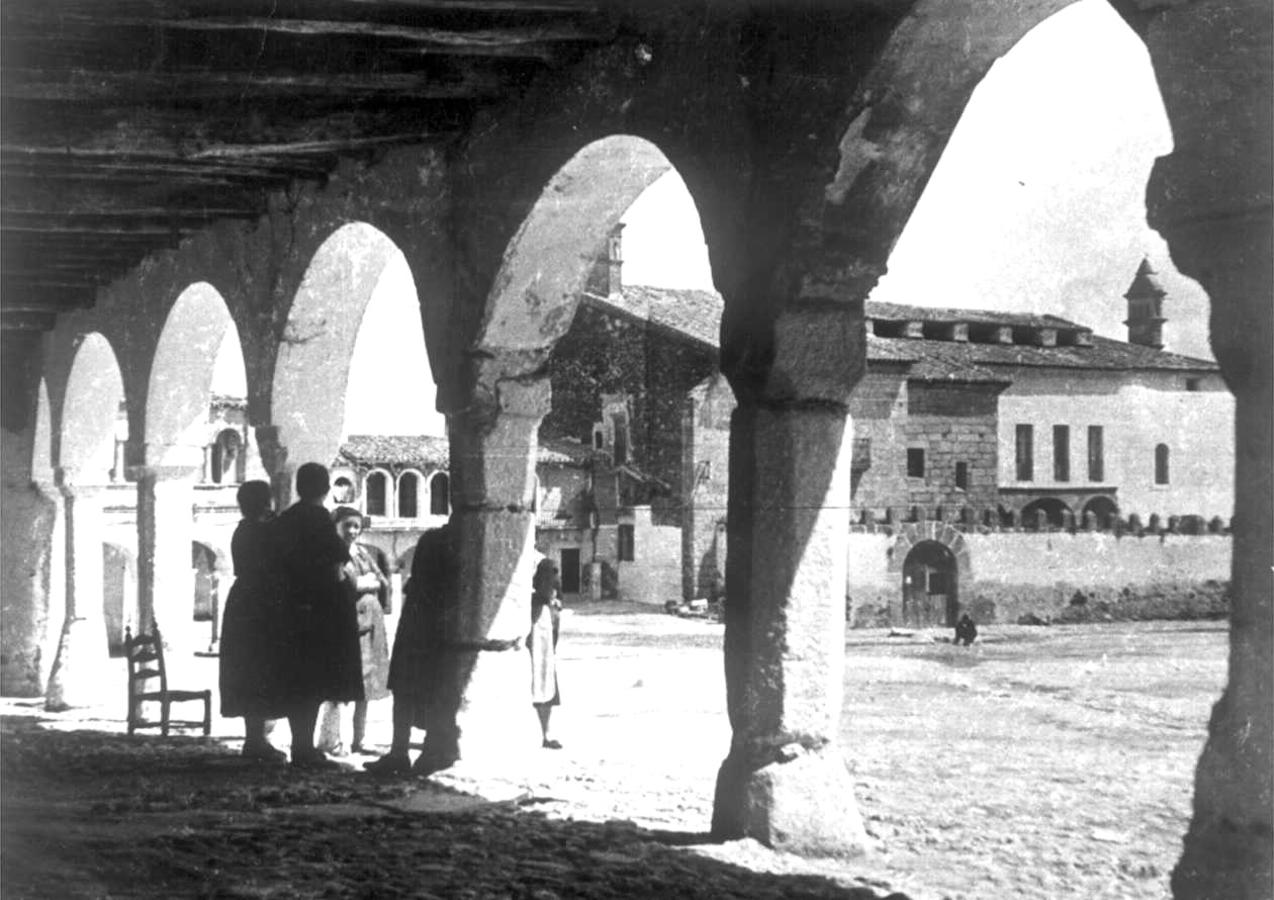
(148, 683)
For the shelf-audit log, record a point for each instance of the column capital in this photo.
(819, 354)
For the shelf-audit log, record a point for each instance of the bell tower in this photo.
(1145, 308)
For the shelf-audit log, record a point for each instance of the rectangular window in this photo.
(1061, 453)
(627, 544)
(1161, 464)
(1025, 453)
(915, 462)
(962, 476)
(619, 425)
(1096, 458)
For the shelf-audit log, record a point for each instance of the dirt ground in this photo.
(1042, 763)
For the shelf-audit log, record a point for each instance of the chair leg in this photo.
(207, 715)
(164, 717)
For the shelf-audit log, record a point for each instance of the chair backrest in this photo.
(145, 653)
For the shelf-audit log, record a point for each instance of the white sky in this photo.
(1037, 205)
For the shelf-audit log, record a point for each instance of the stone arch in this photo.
(1104, 509)
(549, 259)
(377, 496)
(938, 542)
(180, 387)
(228, 450)
(311, 373)
(1054, 509)
(440, 494)
(930, 585)
(408, 494)
(91, 413)
(344, 487)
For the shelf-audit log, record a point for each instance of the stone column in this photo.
(76, 678)
(483, 698)
(784, 781)
(274, 459)
(166, 585)
(1211, 200)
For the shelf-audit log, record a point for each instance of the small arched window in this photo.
(375, 493)
(439, 495)
(343, 490)
(1161, 464)
(226, 452)
(408, 487)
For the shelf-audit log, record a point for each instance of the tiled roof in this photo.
(396, 449)
(945, 359)
(697, 314)
(897, 312)
(431, 450)
(693, 313)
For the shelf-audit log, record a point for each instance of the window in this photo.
(570, 570)
(439, 494)
(1096, 461)
(620, 426)
(627, 543)
(1192, 384)
(1025, 453)
(225, 457)
(407, 489)
(1061, 453)
(915, 462)
(962, 476)
(343, 490)
(599, 438)
(375, 492)
(1161, 464)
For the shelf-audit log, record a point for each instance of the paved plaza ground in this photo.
(1041, 763)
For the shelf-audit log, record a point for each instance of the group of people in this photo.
(304, 630)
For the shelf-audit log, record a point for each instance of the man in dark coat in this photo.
(322, 659)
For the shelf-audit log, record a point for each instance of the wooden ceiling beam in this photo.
(168, 87)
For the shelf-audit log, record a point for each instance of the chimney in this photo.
(606, 278)
(1145, 308)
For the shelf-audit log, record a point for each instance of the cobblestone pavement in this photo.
(1041, 764)
(100, 814)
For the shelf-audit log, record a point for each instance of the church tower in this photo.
(1145, 308)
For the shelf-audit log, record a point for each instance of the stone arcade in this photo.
(493, 146)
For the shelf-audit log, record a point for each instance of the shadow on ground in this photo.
(97, 814)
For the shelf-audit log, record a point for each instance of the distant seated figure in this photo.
(966, 632)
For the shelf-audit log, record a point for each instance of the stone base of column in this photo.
(483, 713)
(1228, 851)
(802, 805)
(76, 679)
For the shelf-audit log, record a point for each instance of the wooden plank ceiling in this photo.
(126, 125)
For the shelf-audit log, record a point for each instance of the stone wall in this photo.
(654, 576)
(1012, 574)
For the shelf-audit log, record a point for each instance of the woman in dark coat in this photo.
(429, 591)
(323, 661)
(368, 585)
(249, 661)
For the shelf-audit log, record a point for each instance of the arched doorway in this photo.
(1104, 511)
(1054, 511)
(930, 586)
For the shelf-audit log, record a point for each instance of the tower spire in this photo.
(1145, 308)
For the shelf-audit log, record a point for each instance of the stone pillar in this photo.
(1211, 200)
(784, 781)
(76, 678)
(483, 699)
(274, 459)
(166, 584)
